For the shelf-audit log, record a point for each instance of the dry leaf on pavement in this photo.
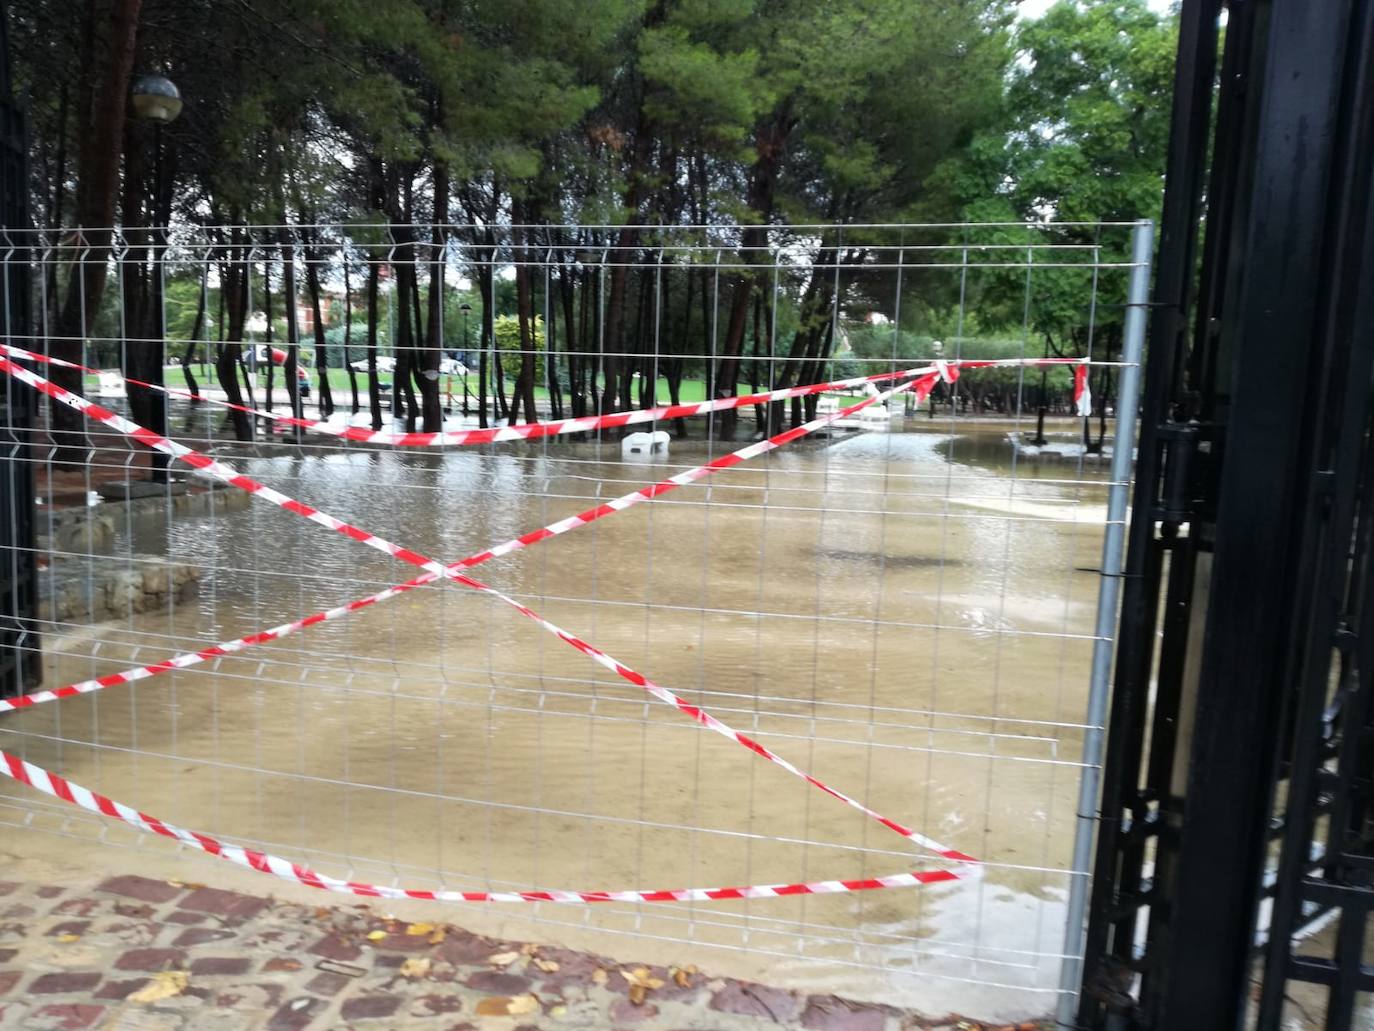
(416, 966)
(506, 1006)
(503, 959)
(164, 985)
(375, 936)
(546, 965)
(600, 976)
(416, 930)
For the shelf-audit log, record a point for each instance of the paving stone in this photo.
(255, 997)
(8, 954)
(370, 1007)
(201, 936)
(333, 947)
(828, 1013)
(184, 917)
(435, 1005)
(82, 907)
(223, 903)
(328, 984)
(120, 989)
(8, 979)
(151, 959)
(142, 888)
(65, 981)
(64, 1016)
(77, 927)
(756, 1000)
(296, 1014)
(497, 982)
(129, 932)
(134, 910)
(50, 891)
(8, 887)
(281, 963)
(623, 1011)
(461, 947)
(221, 966)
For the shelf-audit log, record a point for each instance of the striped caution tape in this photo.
(59, 787)
(705, 719)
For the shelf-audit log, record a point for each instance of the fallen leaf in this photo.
(682, 976)
(437, 936)
(640, 976)
(416, 930)
(375, 936)
(176, 884)
(529, 948)
(321, 913)
(637, 993)
(503, 959)
(546, 965)
(505, 1006)
(164, 985)
(416, 966)
(600, 976)
(558, 1011)
(523, 1004)
(65, 938)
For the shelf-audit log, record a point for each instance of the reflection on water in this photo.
(900, 613)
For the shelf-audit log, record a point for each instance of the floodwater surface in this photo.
(908, 615)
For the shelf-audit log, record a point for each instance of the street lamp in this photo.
(156, 99)
(466, 309)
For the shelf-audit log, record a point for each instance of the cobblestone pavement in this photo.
(136, 954)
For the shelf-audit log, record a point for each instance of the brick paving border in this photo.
(71, 958)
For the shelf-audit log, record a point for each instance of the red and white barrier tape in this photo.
(922, 387)
(1082, 394)
(226, 473)
(58, 787)
(536, 430)
(528, 431)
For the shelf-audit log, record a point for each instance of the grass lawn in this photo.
(692, 389)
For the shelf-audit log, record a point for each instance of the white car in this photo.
(385, 363)
(452, 367)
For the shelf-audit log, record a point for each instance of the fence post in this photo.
(1108, 596)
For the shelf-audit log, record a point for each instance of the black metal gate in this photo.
(1240, 768)
(19, 666)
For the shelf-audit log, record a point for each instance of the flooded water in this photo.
(909, 615)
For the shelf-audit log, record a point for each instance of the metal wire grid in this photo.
(909, 613)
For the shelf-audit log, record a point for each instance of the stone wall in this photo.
(78, 590)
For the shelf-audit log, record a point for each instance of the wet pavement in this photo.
(136, 954)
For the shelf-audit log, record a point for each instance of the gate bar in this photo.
(1108, 596)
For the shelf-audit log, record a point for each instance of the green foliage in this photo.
(507, 329)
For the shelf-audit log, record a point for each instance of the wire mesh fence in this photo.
(900, 598)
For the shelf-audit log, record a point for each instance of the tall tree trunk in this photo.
(577, 398)
(348, 332)
(267, 344)
(374, 391)
(431, 405)
(234, 291)
(313, 256)
(293, 337)
(97, 175)
(523, 389)
(188, 356)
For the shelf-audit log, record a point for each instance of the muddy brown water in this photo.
(908, 615)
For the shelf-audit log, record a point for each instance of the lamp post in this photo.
(156, 99)
(466, 309)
